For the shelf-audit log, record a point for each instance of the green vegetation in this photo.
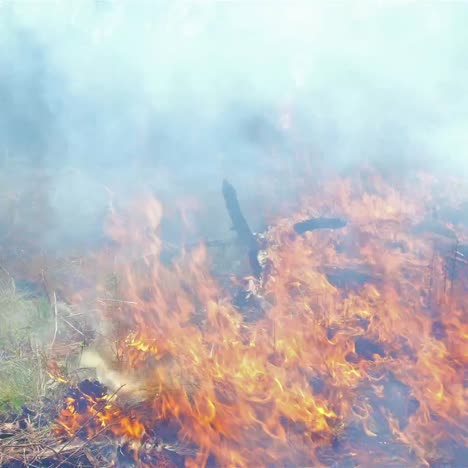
(25, 326)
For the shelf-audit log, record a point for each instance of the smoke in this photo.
(109, 96)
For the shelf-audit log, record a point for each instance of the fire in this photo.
(358, 350)
(89, 410)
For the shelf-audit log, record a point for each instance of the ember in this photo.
(356, 353)
(89, 409)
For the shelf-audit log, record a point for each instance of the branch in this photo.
(319, 223)
(241, 227)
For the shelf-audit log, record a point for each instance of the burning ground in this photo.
(334, 338)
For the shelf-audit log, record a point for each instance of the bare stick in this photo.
(56, 319)
(72, 326)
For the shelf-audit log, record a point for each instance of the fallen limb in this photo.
(240, 225)
(319, 223)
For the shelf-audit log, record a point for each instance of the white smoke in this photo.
(179, 95)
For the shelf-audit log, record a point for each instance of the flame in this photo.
(54, 372)
(361, 339)
(86, 413)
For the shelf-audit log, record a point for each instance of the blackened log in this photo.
(239, 222)
(240, 225)
(319, 223)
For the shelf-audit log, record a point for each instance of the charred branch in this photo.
(240, 225)
(313, 224)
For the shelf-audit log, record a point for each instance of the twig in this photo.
(72, 326)
(87, 442)
(56, 320)
(46, 452)
(41, 382)
(26, 447)
(120, 301)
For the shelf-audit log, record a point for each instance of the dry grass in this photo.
(29, 395)
(23, 324)
(28, 328)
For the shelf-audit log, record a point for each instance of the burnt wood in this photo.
(319, 223)
(240, 225)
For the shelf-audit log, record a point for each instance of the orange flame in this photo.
(362, 333)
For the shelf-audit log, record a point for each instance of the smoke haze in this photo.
(107, 97)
